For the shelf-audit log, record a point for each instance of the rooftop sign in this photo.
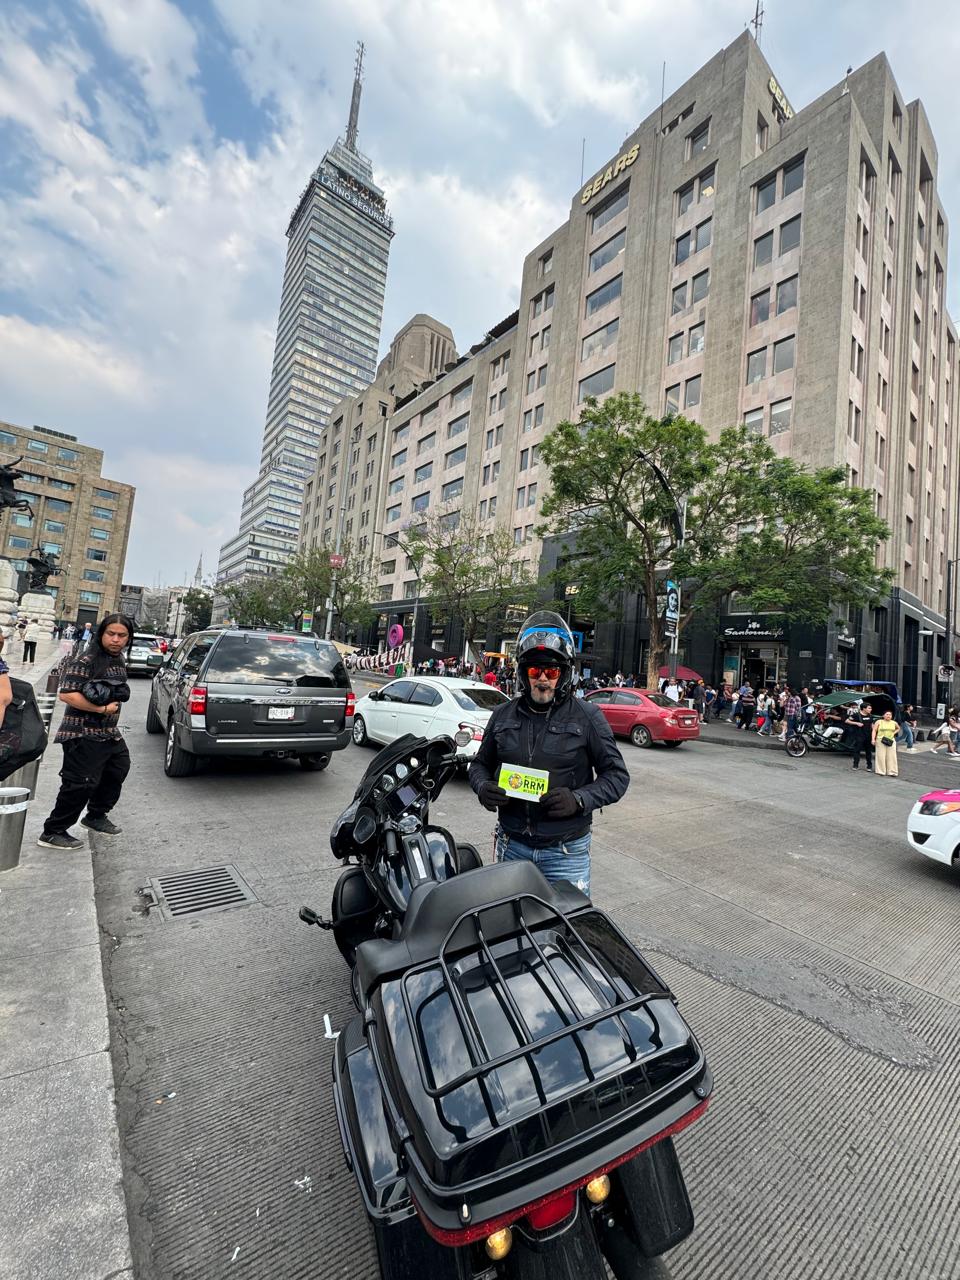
(622, 162)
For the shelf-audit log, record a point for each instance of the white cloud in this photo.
(66, 370)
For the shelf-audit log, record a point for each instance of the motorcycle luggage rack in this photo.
(482, 1065)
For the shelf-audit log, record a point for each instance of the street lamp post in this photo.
(678, 520)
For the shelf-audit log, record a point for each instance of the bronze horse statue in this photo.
(9, 497)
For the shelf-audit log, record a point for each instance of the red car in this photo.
(645, 717)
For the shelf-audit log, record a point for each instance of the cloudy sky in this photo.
(151, 152)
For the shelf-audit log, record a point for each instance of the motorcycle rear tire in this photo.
(796, 747)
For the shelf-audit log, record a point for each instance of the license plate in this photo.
(281, 713)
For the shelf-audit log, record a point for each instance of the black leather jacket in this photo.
(574, 742)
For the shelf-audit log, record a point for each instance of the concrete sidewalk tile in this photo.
(63, 1212)
(52, 1008)
(46, 915)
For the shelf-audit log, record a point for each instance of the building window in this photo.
(90, 597)
(707, 184)
(608, 251)
(22, 544)
(781, 412)
(462, 393)
(696, 340)
(426, 442)
(524, 459)
(679, 299)
(853, 421)
(756, 366)
(682, 249)
(701, 286)
(599, 340)
(37, 446)
(753, 421)
(531, 383)
(23, 522)
(528, 420)
(54, 526)
(399, 434)
(455, 457)
(94, 553)
(766, 193)
(545, 337)
(458, 425)
(393, 514)
(671, 399)
(856, 359)
(606, 294)
(452, 489)
(597, 383)
(704, 235)
(93, 575)
(790, 235)
(521, 497)
(909, 531)
(615, 203)
(783, 354)
(68, 455)
(786, 294)
(760, 307)
(399, 458)
(675, 349)
(419, 503)
(99, 535)
(6, 437)
(763, 133)
(699, 140)
(542, 376)
(58, 504)
(684, 199)
(543, 302)
(500, 366)
(793, 177)
(763, 250)
(106, 494)
(691, 393)
(545, 265)
(395, 486)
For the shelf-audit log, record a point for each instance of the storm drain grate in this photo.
(194, 893)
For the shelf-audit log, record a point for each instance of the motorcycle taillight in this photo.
(552, 1211)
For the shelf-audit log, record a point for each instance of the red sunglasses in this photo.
(549, 673)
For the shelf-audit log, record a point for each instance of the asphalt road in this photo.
(813, 953)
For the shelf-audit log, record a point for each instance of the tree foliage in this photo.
(197, 608)
(786, 538)
(474, 576)
(263, 601)
(314, 581)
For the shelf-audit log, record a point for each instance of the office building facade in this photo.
(328, 334)
(80, 517)
(736, 261)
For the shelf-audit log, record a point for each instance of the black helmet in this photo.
(545, 639)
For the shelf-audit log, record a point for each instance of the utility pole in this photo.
(679, 521)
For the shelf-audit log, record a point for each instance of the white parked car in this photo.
(933, 826)
(426, 706)
(145, 654)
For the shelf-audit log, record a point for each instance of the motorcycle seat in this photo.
(435, 907)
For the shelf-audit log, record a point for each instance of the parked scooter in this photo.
(508, 1092)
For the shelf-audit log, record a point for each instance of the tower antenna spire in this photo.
(757, 22)
(355, 100)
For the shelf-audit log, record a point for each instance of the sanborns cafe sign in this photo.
(622, 162)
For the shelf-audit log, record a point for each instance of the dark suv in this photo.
(230, 692)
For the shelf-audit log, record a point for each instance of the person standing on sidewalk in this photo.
(859, 724)
(30, 637)
(792, 706)
(95, 757)
(885, 742)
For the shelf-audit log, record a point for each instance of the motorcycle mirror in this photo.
(462, 737)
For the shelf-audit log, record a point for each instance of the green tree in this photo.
(468, 574)
(197, 608)
(786, 538)
(267, 601)
(313, 581)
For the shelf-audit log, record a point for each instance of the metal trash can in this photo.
(14, 802)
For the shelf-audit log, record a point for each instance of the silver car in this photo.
(146, 656)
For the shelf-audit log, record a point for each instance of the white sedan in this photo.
(933, 826)
(426, 706)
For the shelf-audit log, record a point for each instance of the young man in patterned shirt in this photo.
(95, 756)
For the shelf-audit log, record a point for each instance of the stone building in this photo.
(737, 261)
(80, 517)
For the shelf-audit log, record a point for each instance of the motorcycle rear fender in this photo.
(655, 1199)
(573, 1254)
(364, 1132)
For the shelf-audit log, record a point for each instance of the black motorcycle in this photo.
(508, 1091)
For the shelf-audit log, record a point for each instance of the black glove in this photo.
(491, 796)
(559, 803)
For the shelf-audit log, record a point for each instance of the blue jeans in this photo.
(569, 860)
(906, 734)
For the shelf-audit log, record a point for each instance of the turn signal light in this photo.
(472, 728)
(197, 705)
(499, 1244)
(598, 1189)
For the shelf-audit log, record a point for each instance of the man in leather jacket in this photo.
(547, 729)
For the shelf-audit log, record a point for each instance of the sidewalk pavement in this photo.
(917, 767)
(63, 1213)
